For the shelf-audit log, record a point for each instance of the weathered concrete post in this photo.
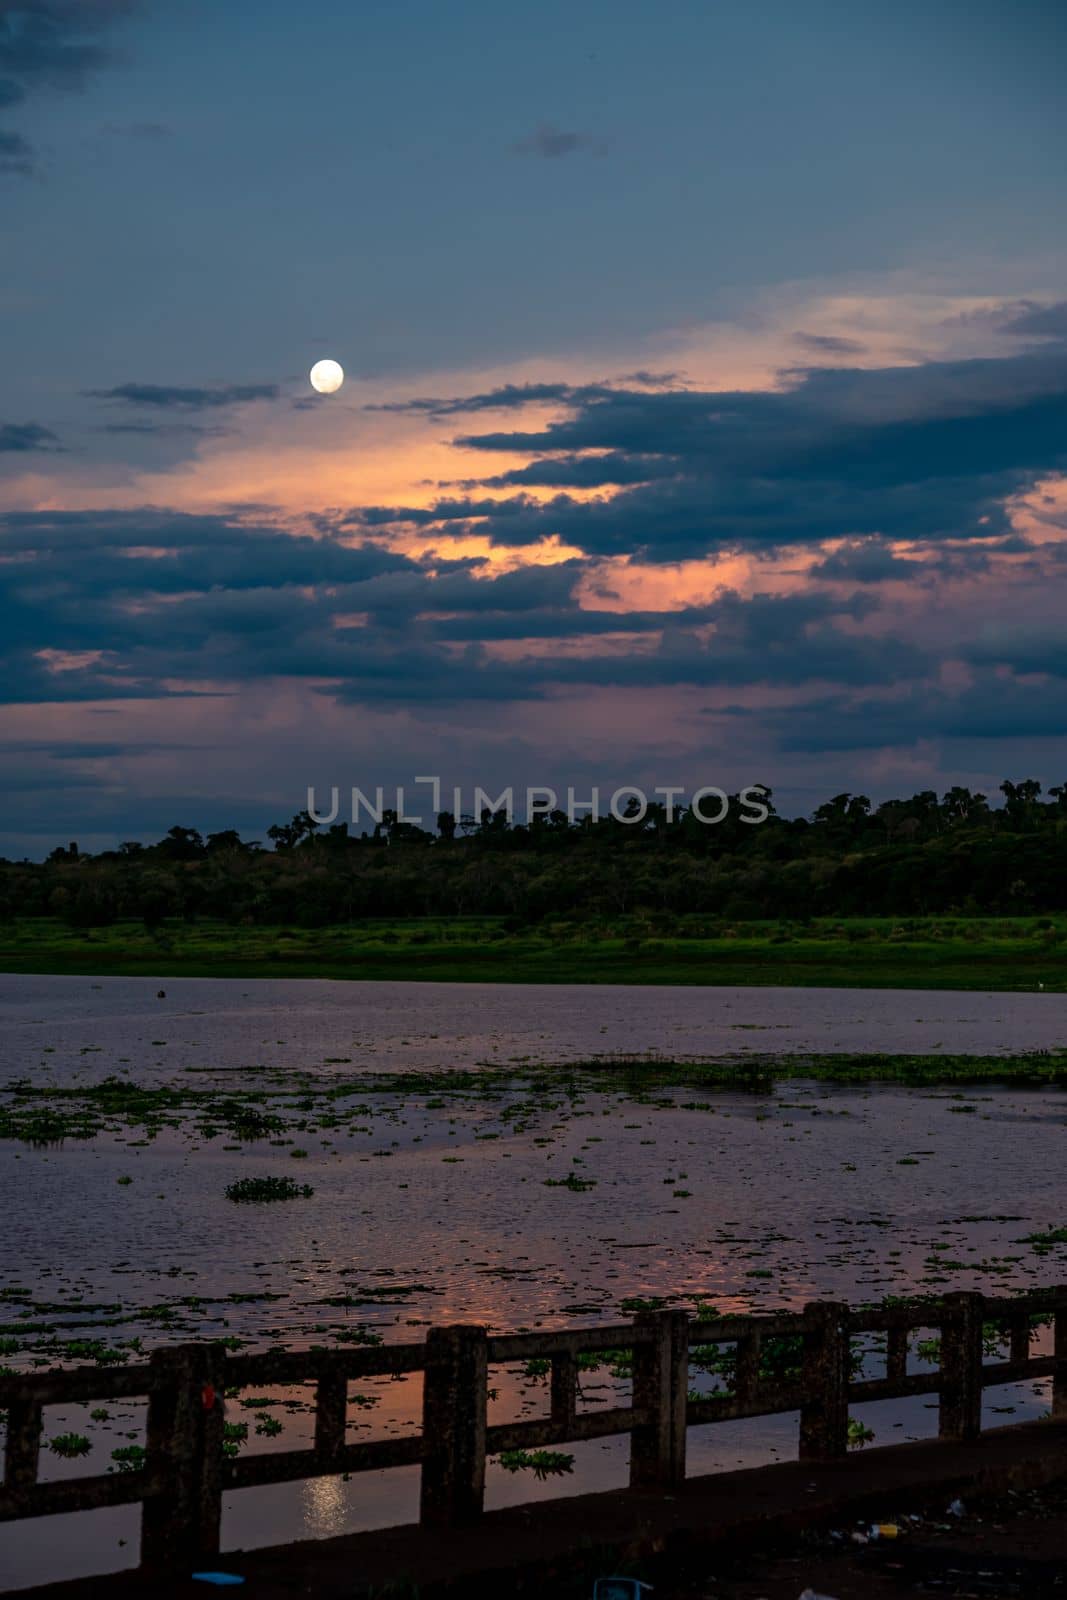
(564, 1401)
(1020, 1339)
(453, 1426)
(331, 1415)
(660, 1388)
(1059, 1351)
(23, 1450)
(961, 1366)
(825, 1379)
(896, 1355)
(746, 1371)
(181, 1521)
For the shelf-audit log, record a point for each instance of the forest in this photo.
(957, 854)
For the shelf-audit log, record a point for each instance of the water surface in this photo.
(431, 1205)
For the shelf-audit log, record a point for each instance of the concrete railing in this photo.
(186, 1471)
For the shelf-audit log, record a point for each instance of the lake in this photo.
(438, 1201)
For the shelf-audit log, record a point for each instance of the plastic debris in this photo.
(810, 1594)
(620, 1589)
(222, 1580)
(885, 1530)
(957, 1509)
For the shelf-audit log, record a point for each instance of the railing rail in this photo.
(186, 1470)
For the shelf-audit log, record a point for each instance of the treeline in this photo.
(955, 853)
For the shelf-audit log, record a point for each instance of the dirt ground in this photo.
(1011, 1546)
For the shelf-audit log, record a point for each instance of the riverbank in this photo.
(1014, 954)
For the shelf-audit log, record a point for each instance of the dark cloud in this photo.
(50, 45)
(991, 708)
(187, 399)
(201, 550)
(55, 42)
(509, 396)
(830, 344)
(552, 143)
(1028, 648)
(163, 430)
(16, 154)
(928, 452)
(135, 602)
(16, 437)
(1039, 321)
(513, 396)
(865, 562)
(612, 468)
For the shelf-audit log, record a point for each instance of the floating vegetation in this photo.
(542, 1463)
(129, 1457)
(1045, 1241)
(70, 1445)
(249, 1122)
(260, 1190)
(234, 1435)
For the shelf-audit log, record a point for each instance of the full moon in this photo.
(327, 376)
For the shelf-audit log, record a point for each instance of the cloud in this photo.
(116, 605)
(53, 42)
(929, 452)
(509, 396)
(865, 561)
(513, 396)
(16, 154)
(611, 467)
(830, 344)
(187, 399)
(1040, 321)
(163, 430)
(805, 490)
(552, 143)
(50, 45)
(16, 437)
(992, 708)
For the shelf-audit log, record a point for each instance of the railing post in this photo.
(825, 1379)
(961, 1366)
(564, 1401)
(746, 1370)
(181, 1520)
(453, 1426)
(23, 1449)
(896, 1355)
(1019, 1336)
(331, 1415)
(1059, 1352)
(661, 1389)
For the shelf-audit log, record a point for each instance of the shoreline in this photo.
(1005, 955)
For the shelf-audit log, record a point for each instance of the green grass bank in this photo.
(1002, 953)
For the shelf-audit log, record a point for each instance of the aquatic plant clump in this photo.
(260, 1190)
(70, 1445)
(542, 1463)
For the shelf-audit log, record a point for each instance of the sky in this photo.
(705, 414)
